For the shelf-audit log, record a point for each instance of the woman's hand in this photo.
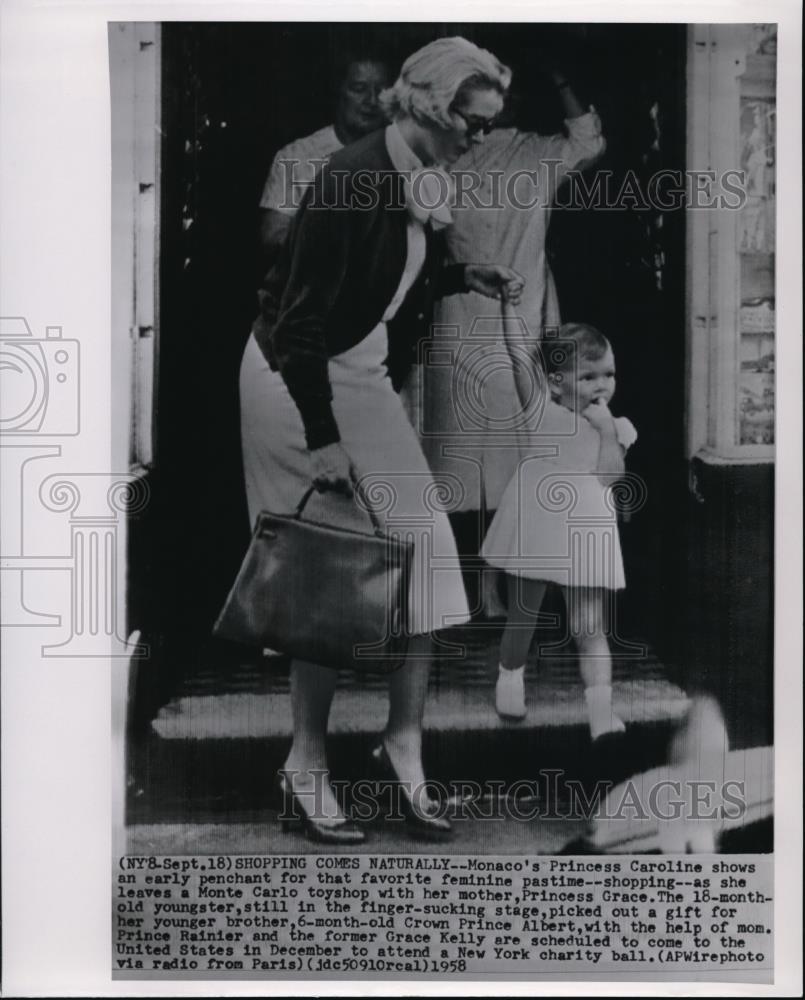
(495, 281)
(557, 75)
(332, 469)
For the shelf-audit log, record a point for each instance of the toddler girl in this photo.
(557, 522)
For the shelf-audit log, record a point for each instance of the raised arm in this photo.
(578, 147)
(529, 379)
(570, 103)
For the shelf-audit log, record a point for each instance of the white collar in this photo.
(429, 191)
(402, 156)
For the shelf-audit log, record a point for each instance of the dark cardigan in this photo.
(337, 273)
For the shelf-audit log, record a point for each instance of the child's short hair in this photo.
(575, 341)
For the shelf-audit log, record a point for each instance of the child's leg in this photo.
(585, 611)
(524, 598)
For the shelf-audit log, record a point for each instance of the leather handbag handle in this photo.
(378, 527)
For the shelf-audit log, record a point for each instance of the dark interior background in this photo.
(233, 93)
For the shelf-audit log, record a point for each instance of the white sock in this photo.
(600, 713)
(510, 692)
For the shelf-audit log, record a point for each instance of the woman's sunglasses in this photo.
(476, 125)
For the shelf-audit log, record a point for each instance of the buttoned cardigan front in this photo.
(336, 275)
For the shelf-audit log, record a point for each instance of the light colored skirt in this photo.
(380, 441)
(557, 525)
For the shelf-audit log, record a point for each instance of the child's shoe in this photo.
(603, 720)
(510, 693)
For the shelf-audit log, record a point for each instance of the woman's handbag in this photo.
(334, 596)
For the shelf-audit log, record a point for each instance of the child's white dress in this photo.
(557, 521)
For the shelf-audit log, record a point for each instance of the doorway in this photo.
(234, 93)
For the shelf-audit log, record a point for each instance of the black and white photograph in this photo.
(460, 498)
(455, 405)
(438, 563)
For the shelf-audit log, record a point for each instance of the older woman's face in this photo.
(359, 110)
(474, 114)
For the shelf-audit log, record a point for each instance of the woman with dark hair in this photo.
(361, 79)
(341, 314)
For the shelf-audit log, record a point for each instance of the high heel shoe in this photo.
(294, 817)
(418, 822)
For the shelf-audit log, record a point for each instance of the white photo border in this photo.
(57, 759)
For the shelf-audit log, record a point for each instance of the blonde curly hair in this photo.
(431, 78)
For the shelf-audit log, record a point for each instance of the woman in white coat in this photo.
(342, 310)
(505, 188)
